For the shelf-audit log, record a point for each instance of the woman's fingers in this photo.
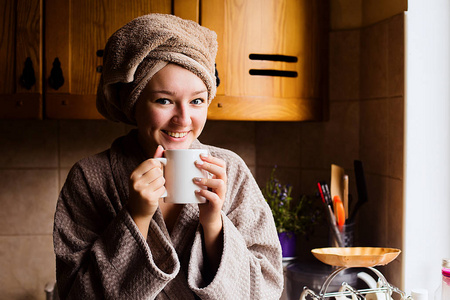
(146, 187)
(145, 167)
(210, 182)
(213, 165)
(214, 160)
(217, 185)
(159, 151)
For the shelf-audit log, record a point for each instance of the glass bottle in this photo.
(443, 292)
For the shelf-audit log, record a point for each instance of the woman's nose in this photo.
(182, 116)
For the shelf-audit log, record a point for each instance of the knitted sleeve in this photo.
(251, 265)
(100, 253)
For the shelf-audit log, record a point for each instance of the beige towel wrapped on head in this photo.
(141, 48)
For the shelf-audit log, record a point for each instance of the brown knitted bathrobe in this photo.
(100, 253)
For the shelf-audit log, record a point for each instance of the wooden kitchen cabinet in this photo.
(21, 59)
(66, 74)
(272, 59)
(76, 33)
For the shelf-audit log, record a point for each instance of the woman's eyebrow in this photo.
(171, 93)
(200, 92)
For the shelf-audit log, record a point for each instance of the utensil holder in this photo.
(384, 288)
(347, 233)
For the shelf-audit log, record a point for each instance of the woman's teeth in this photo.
(177, 134)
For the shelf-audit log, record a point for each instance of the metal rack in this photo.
(384, 289)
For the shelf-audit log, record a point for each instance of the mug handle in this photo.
(163, 160)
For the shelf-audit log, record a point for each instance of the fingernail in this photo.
(197, 179)
(197, 191)
(204, 155)
(199, 162)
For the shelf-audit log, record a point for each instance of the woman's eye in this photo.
(162, 101)
(197, 101)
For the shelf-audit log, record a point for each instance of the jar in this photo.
(443, 292)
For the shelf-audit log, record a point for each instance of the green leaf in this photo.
(288, 215)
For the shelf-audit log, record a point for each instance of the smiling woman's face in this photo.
(171, 110)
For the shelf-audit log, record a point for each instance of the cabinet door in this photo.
(75, 33)
(20, 59)
(272, 58)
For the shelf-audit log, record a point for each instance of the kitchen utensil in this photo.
(361, 188)
(355, 256)
(326, 193)
(339, 211)
(336, 183)
(345, 195)
(323, 190)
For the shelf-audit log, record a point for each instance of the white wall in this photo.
(427, 151)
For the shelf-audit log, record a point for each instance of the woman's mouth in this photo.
(177, 135)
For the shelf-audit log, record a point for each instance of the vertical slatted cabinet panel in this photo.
(271, 60)
(75, 32)
(21, 59)
(187, 9)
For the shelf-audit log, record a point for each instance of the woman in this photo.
(114, 237)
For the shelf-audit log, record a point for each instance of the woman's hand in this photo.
(210, 212)
(146, 186)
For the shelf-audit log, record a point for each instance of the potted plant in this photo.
(291, 218)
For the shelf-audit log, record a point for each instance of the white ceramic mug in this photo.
(179, 172)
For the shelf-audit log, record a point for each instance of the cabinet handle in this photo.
(267, 72)
(56, 79)
(99, 53)
(28, 78)
(273, 57)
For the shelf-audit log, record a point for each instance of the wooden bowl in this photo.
(356, 256)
